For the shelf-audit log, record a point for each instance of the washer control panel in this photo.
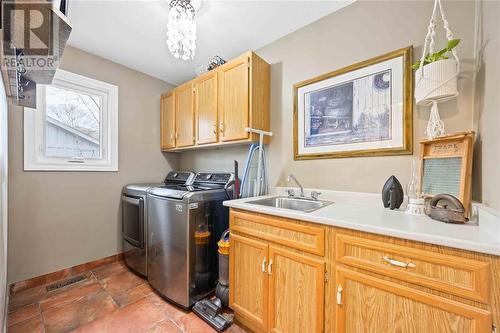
(214, 178)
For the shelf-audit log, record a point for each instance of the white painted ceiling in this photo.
(133, 33)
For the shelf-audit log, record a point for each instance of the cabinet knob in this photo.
(215, 129)
(221, 127)
(171, 136)
(339, 295)
(270, 267)
(264, 265)
(176, 135)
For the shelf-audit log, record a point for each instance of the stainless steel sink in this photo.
(301, 204)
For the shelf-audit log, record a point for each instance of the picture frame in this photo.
(365, 109)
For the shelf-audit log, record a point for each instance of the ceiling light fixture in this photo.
(181, 29)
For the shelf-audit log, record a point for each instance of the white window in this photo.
(74, 126)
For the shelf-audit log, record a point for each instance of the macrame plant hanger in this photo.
(435, 85)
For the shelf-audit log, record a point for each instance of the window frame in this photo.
(34, 127)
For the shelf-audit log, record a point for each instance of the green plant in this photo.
(440, 55)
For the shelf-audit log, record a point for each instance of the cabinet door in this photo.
(370, 304)
(234, 99)
(167, 121)
(206, 109)
(248, 279)
(296, 292)
(184, 116)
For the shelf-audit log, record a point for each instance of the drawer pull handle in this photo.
(399, 263)
(339, 295)
(270, 267)
(264, 265)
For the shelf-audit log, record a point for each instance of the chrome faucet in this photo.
(289, 179)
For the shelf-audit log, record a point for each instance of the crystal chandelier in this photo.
(181, 29)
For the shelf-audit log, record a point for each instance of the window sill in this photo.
(72, 167)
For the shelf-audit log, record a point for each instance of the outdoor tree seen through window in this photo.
(72, 124)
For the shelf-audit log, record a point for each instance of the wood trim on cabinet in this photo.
(316, 232)
(481, 318)
(320, 283)
(479, 270)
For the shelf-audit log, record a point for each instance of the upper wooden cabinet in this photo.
(205, 104)
(184, 116)
(223, 103)
(233, 100)
(167, 121)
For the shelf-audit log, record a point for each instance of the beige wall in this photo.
(61, 219)
(3, 205)
(487, 105)
(358, 32)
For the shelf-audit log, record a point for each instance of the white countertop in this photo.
(365, 212)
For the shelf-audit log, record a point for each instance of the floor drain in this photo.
(67, 282)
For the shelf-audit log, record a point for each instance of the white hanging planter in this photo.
(436, 81)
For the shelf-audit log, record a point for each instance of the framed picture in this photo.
(361, 110)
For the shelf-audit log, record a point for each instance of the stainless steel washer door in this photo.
(168, 267)
(133, 233)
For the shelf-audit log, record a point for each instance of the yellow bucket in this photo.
(224, 243)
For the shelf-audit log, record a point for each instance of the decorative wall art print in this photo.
(361, 110)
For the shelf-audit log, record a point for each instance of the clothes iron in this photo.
(447, 208)
(392, 193)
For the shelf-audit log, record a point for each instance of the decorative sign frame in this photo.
(447, 166)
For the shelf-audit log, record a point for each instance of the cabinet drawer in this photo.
(369, 304)
(301, 237)
(455, 275)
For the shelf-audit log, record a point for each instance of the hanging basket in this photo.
(436, 81)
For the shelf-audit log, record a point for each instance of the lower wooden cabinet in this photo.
(248, 278)
(369, 304)
(374, 284)
(296, 292)
(274, 289)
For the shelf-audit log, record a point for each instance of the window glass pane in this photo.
(72, 124)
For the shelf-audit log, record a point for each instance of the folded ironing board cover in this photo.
(249, 181)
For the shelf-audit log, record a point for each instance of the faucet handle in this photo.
(315, 195)
(290, 192)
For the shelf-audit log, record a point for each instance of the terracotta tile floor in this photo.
(110, 299)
